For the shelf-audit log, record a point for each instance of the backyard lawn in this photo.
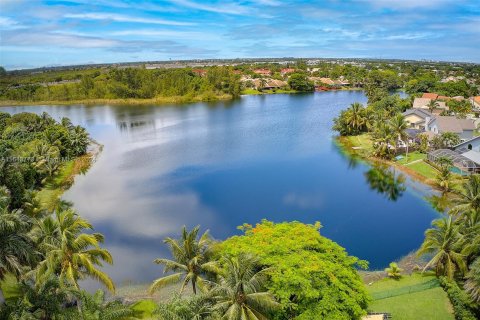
(415, 162)
(410, 298)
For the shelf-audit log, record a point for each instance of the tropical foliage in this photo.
(190, 261)
(311, 276)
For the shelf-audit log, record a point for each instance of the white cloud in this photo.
(406, 4)
(228, 8)
(7, 23)
(124, 18)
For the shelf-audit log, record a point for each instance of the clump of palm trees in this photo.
(382, 120)
(453, 244)
(231, 287)
(43, 257)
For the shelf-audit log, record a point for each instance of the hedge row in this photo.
(462, 304)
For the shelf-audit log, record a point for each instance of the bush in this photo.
(462, 304)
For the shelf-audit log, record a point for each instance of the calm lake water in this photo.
(224, 164)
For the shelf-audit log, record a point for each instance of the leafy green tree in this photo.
(445, 140)
(446, 244)
(240, 292)
(393, 271)
(311, 276)
(300, 82)
(191, 260)
(71, 254)
(351, 121)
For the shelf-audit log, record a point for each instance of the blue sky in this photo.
(43, 33)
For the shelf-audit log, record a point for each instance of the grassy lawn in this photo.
(412, 156)
(412, 297)
(424, 169)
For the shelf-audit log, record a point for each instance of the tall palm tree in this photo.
(190, 260)
(16, 248)
(472, 284)
(399, 127)
(71, 254)
(356, 117)
(468, 198)
(383, 138)
(444, 180)
(240, 292)
(432, 105)
(445, 243)
(78, 140)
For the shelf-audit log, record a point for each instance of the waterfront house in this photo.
(463, 127)
(416, 118)
(475, 102)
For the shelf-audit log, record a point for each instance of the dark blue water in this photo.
(224, 164)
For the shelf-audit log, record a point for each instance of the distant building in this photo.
(263, 72)
(286, 71)
(200, 72)
(428, 95)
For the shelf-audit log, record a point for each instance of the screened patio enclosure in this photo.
(464, 164)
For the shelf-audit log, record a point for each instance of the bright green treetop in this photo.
(312, 276)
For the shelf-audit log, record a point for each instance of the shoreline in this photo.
(158, 100)
(348, 147)
(128, 101)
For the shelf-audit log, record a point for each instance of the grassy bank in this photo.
(50, 194)
(412, 297)
(413, 165)
(157, 100)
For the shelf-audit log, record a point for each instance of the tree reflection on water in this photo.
(386, 182)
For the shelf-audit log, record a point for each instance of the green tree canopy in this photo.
(312, 276)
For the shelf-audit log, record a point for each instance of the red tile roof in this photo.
(429, 95)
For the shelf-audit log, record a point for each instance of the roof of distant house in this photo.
(453, 124)
(423, 103)
(262, 71)
(287, 70)
(422, 113)
(429, 95)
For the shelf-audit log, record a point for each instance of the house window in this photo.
(469, 146)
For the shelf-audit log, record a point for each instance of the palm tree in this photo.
(432, 105)
(71, 254)
(95, 307)
(356, 117)
(445, 243)
(190, 260)
(443, 179)
(383, 138)
(399, 127)
(468, 198)
(240, 293)
(16, 247)
(394, 271)
(472, 284)
(78, 140)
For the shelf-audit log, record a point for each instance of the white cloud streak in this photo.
(124, 18)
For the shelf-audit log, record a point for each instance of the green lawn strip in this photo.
(412, 297)
(424, 169)
(413, 156)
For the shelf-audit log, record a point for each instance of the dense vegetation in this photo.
(129, 83)
(274, 271)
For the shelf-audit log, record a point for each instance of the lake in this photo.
(223, 164)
